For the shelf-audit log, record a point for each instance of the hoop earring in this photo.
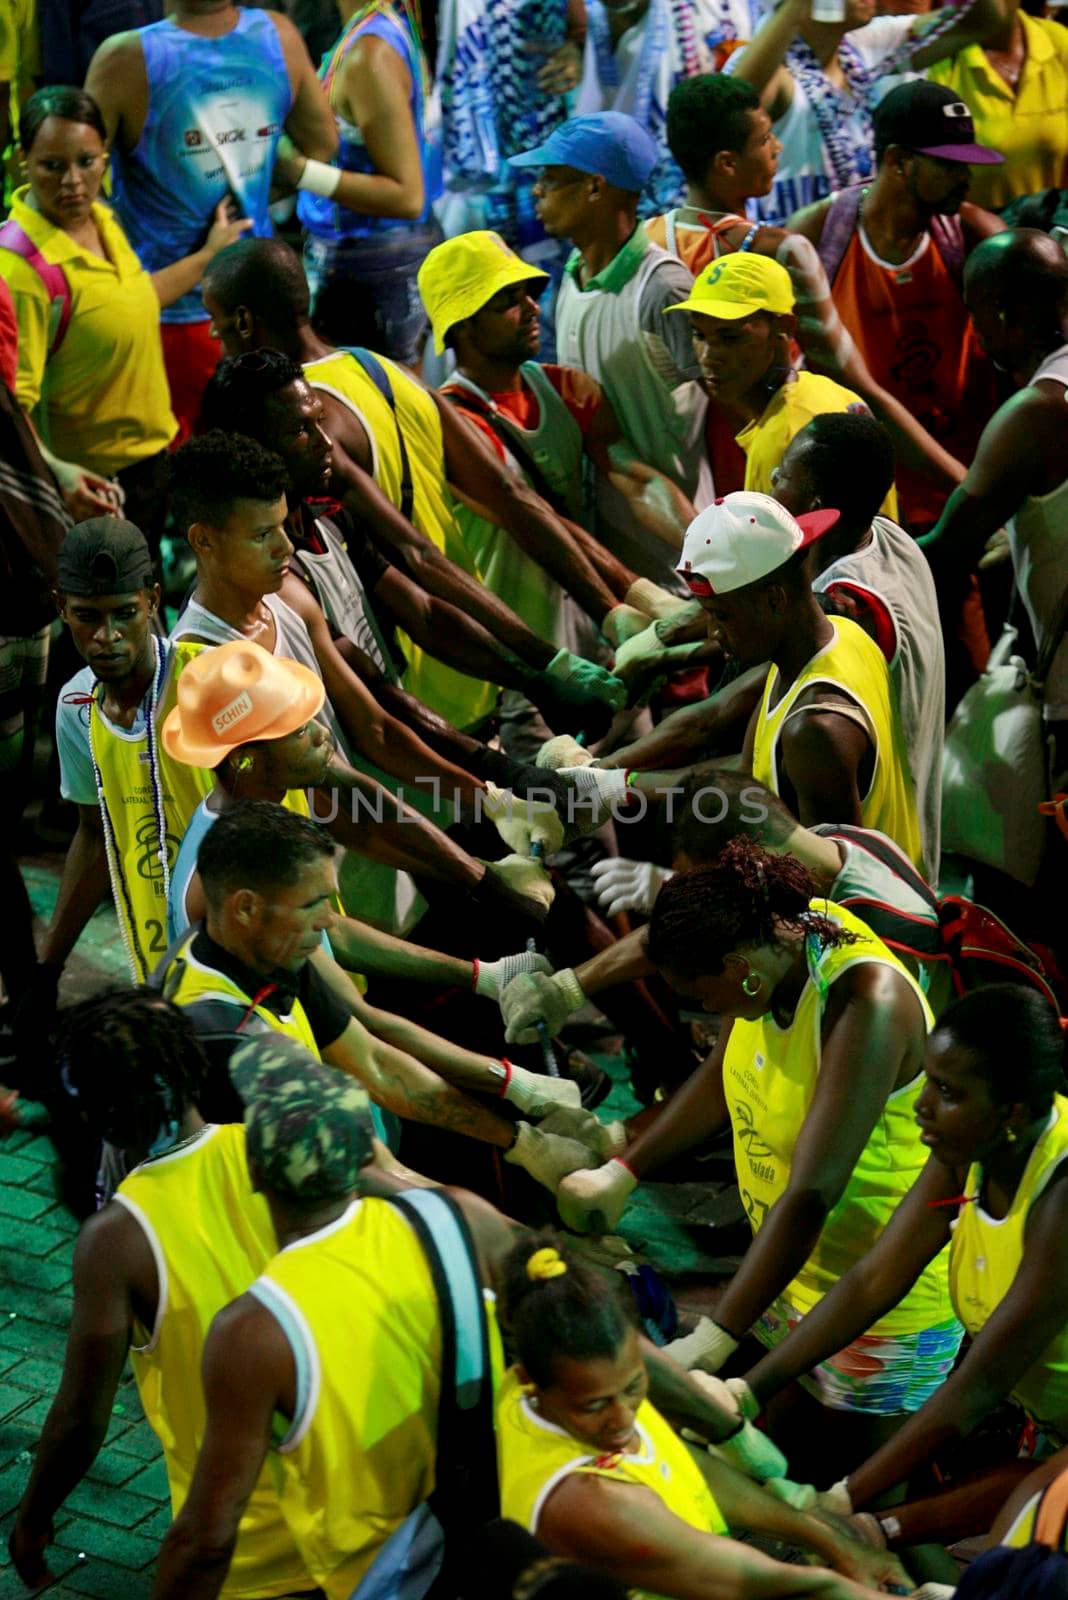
(245, 764)
(1011, 1136)
(752, 983)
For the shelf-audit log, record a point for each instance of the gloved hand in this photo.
(716, 1390)
(593, 1200)
(836, 1499)
(656, 602)
(573, 704)
(538, 1095)
(518, 884)
(801, 1496)
(570, 668)
(522, 823)
(491, 977)
(607, 1138)
(595, 790)
(538, 997)
(707, 1347)
(753, 1453)
(622, 622)
(624, 885)
(548, 1157)
(562, 751)
(744, 1398)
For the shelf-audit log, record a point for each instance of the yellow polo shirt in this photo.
(1029, 127)
(790, 409)
(103, 400)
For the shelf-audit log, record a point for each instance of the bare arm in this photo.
(821, 759)
(366, 817)
(761, 62)
(310, 123)
(917, 1231)
(118, 82)
(694, 734)
(625, 961)
(170, 283)
(1031, 1315)
(873, 1016)
(84, 884)
(361, 948)
(448, 632)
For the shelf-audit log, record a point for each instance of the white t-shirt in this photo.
(804, 173)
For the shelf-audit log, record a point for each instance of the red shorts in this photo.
(191, 352)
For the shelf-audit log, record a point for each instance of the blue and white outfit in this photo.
(215, 113)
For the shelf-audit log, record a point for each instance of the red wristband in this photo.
(628, 1167)
(474, 975)
(507, 1065)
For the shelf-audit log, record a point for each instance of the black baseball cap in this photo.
(104, 555)
(933, 121)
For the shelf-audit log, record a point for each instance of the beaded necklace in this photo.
(128, 926)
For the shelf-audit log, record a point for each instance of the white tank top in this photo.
(1040, 557)
(893, 569)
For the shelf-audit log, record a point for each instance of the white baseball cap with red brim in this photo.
(742, 538)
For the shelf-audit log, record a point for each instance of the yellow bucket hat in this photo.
(735, 286)
(460, 276)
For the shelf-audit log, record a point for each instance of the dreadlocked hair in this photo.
(745, 899)
(570, 1311)
(130, 1063)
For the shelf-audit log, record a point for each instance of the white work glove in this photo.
(836, 1499)
(707, 1347)
(753, 1453)
(522, 823)
(526, 878)
(624, 885)
(492, 977)
(596, 790)
(608, 1139)
(539, 997)
(622, 622)
(744, 1398)
(538, 1095)
(592, 1201)
(570, 668)
(562, 751)
(716, 1390)
(647, 596)
(548, 1157)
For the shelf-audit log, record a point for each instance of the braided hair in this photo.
(570, 1311)
(129, 1063)
(745, 899)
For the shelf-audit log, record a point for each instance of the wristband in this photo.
(507, 1065)
(319, 178)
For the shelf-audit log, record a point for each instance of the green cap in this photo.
(307, 1126)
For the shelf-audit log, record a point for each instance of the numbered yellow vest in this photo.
(769, 1078)
(853, 664)
(187, 979)
(136, 776)
(535, 1454)
(985, 1256)
(460, 699)
(357, 1303)
(211, 1236)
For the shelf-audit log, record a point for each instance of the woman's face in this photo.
(596, 1401)
(722, 994)
(65, 167)
(958, 1119)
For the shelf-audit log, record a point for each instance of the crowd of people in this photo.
(547, 528)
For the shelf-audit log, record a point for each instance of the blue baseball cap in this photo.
(609, 143)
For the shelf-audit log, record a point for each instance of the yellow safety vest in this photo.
(210, 1236)
(460, 699)
(853, 664)
(187, 979)
(138, 778)
(985, 1256)
(535, 1454)
(769, 1078)
(357, 1303)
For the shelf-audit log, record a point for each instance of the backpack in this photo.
(1037, 1572)
(33, 524)
(977, 946)
(840, 224)
(17, 240)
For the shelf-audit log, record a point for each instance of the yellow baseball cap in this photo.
(458, 277)
(735, 286)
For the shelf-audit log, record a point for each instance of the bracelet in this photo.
(319, 178)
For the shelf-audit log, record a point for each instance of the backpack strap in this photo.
(467, 400)
(948, 236)
(380, 378)
(14, 237)
(466, 1492)
(839, 225)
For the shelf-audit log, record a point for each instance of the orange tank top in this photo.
(910, 325)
